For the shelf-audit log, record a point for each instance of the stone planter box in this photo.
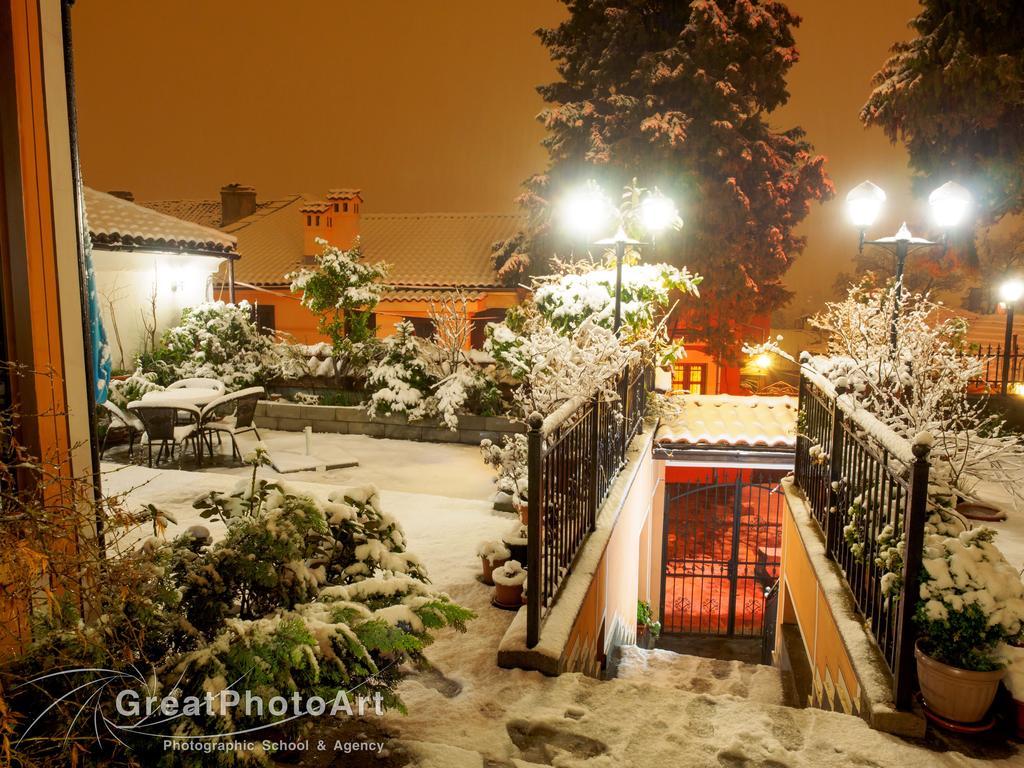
(354, 420)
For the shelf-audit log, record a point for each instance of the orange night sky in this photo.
(425, 106)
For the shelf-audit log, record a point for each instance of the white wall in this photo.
(128, 279)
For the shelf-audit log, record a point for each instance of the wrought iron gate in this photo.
(722, 539)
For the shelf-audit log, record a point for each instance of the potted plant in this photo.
(647, 627)
(517, 540)
(509, 581)
(971, 600)
(493, 554)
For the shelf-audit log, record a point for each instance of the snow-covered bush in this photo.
(218, 341)
(509, 462)
(920, 386)
(342, 292)
(132, 388)
(400, 383)
(493, 551)
(304, 597)
(570, 299)
(971, 600)
(511, 574)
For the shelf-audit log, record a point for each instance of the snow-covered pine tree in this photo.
(953, 96)
(679, 92)
(400, 382)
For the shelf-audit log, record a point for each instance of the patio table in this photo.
(177, 398)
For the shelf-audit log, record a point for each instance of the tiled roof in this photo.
(731, 420)
(421, 294)
(432, 250)
(344, 194)
(117, 223)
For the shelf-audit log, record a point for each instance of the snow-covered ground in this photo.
(663, 709)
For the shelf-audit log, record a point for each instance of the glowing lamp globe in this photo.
(658, 213)
(585, 212)
(949, 204)
(863, 204)
(1011, 291)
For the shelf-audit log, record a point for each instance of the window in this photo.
(318, 221)
(309, 220)
(423, 326)
(263, 318)
(330, 222)
(357, 207)
(480, 322)
(335, 207)
(345, 207)
(691, 378)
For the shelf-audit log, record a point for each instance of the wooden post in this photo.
(535, 588)
(835, 476)
(913, 537)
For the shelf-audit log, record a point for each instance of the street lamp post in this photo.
(1010, 292)
(587, 211)
(949, 204)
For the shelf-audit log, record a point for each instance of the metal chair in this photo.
(232, 414)
(198, 383)
(161, 424)
(120, 419)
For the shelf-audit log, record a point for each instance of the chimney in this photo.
(335, 219)
(236, 202)
(123, 194)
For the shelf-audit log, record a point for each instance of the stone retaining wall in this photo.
(354, 420)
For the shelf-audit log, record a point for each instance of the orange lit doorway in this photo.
(722, 539)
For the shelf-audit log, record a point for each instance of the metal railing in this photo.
(573, 458)
(867, 488)
(994, 362)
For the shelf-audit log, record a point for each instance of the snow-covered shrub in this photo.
(511, 574)
(132, 388)
(493, 551)
(400, 382)
(518, 535)
(342, 291)
(570, 299)
(971, 598)
(218, 341)
(919, 387)
(509, 462)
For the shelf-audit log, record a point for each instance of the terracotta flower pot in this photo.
(523, 510)
(489, 569)
(956, 694)
(508, 595)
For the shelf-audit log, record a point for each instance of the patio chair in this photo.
(198, 383)
(121, 420)
(161, 425)
(233, 415)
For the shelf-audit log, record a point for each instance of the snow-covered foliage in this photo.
(509, 462)
(570, 299)
(127, 390)
(218, 341)
(511, 574)
(552, 367)
(400, 382)
(918, 388)
(971, 598)
(342, 291)
(494, 551)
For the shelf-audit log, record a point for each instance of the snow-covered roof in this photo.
(115, 223)
(731, 420)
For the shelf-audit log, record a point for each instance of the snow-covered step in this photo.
(697, 674)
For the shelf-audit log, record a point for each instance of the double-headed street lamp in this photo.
(949, 204)
(587, 212)
(1010, 292)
